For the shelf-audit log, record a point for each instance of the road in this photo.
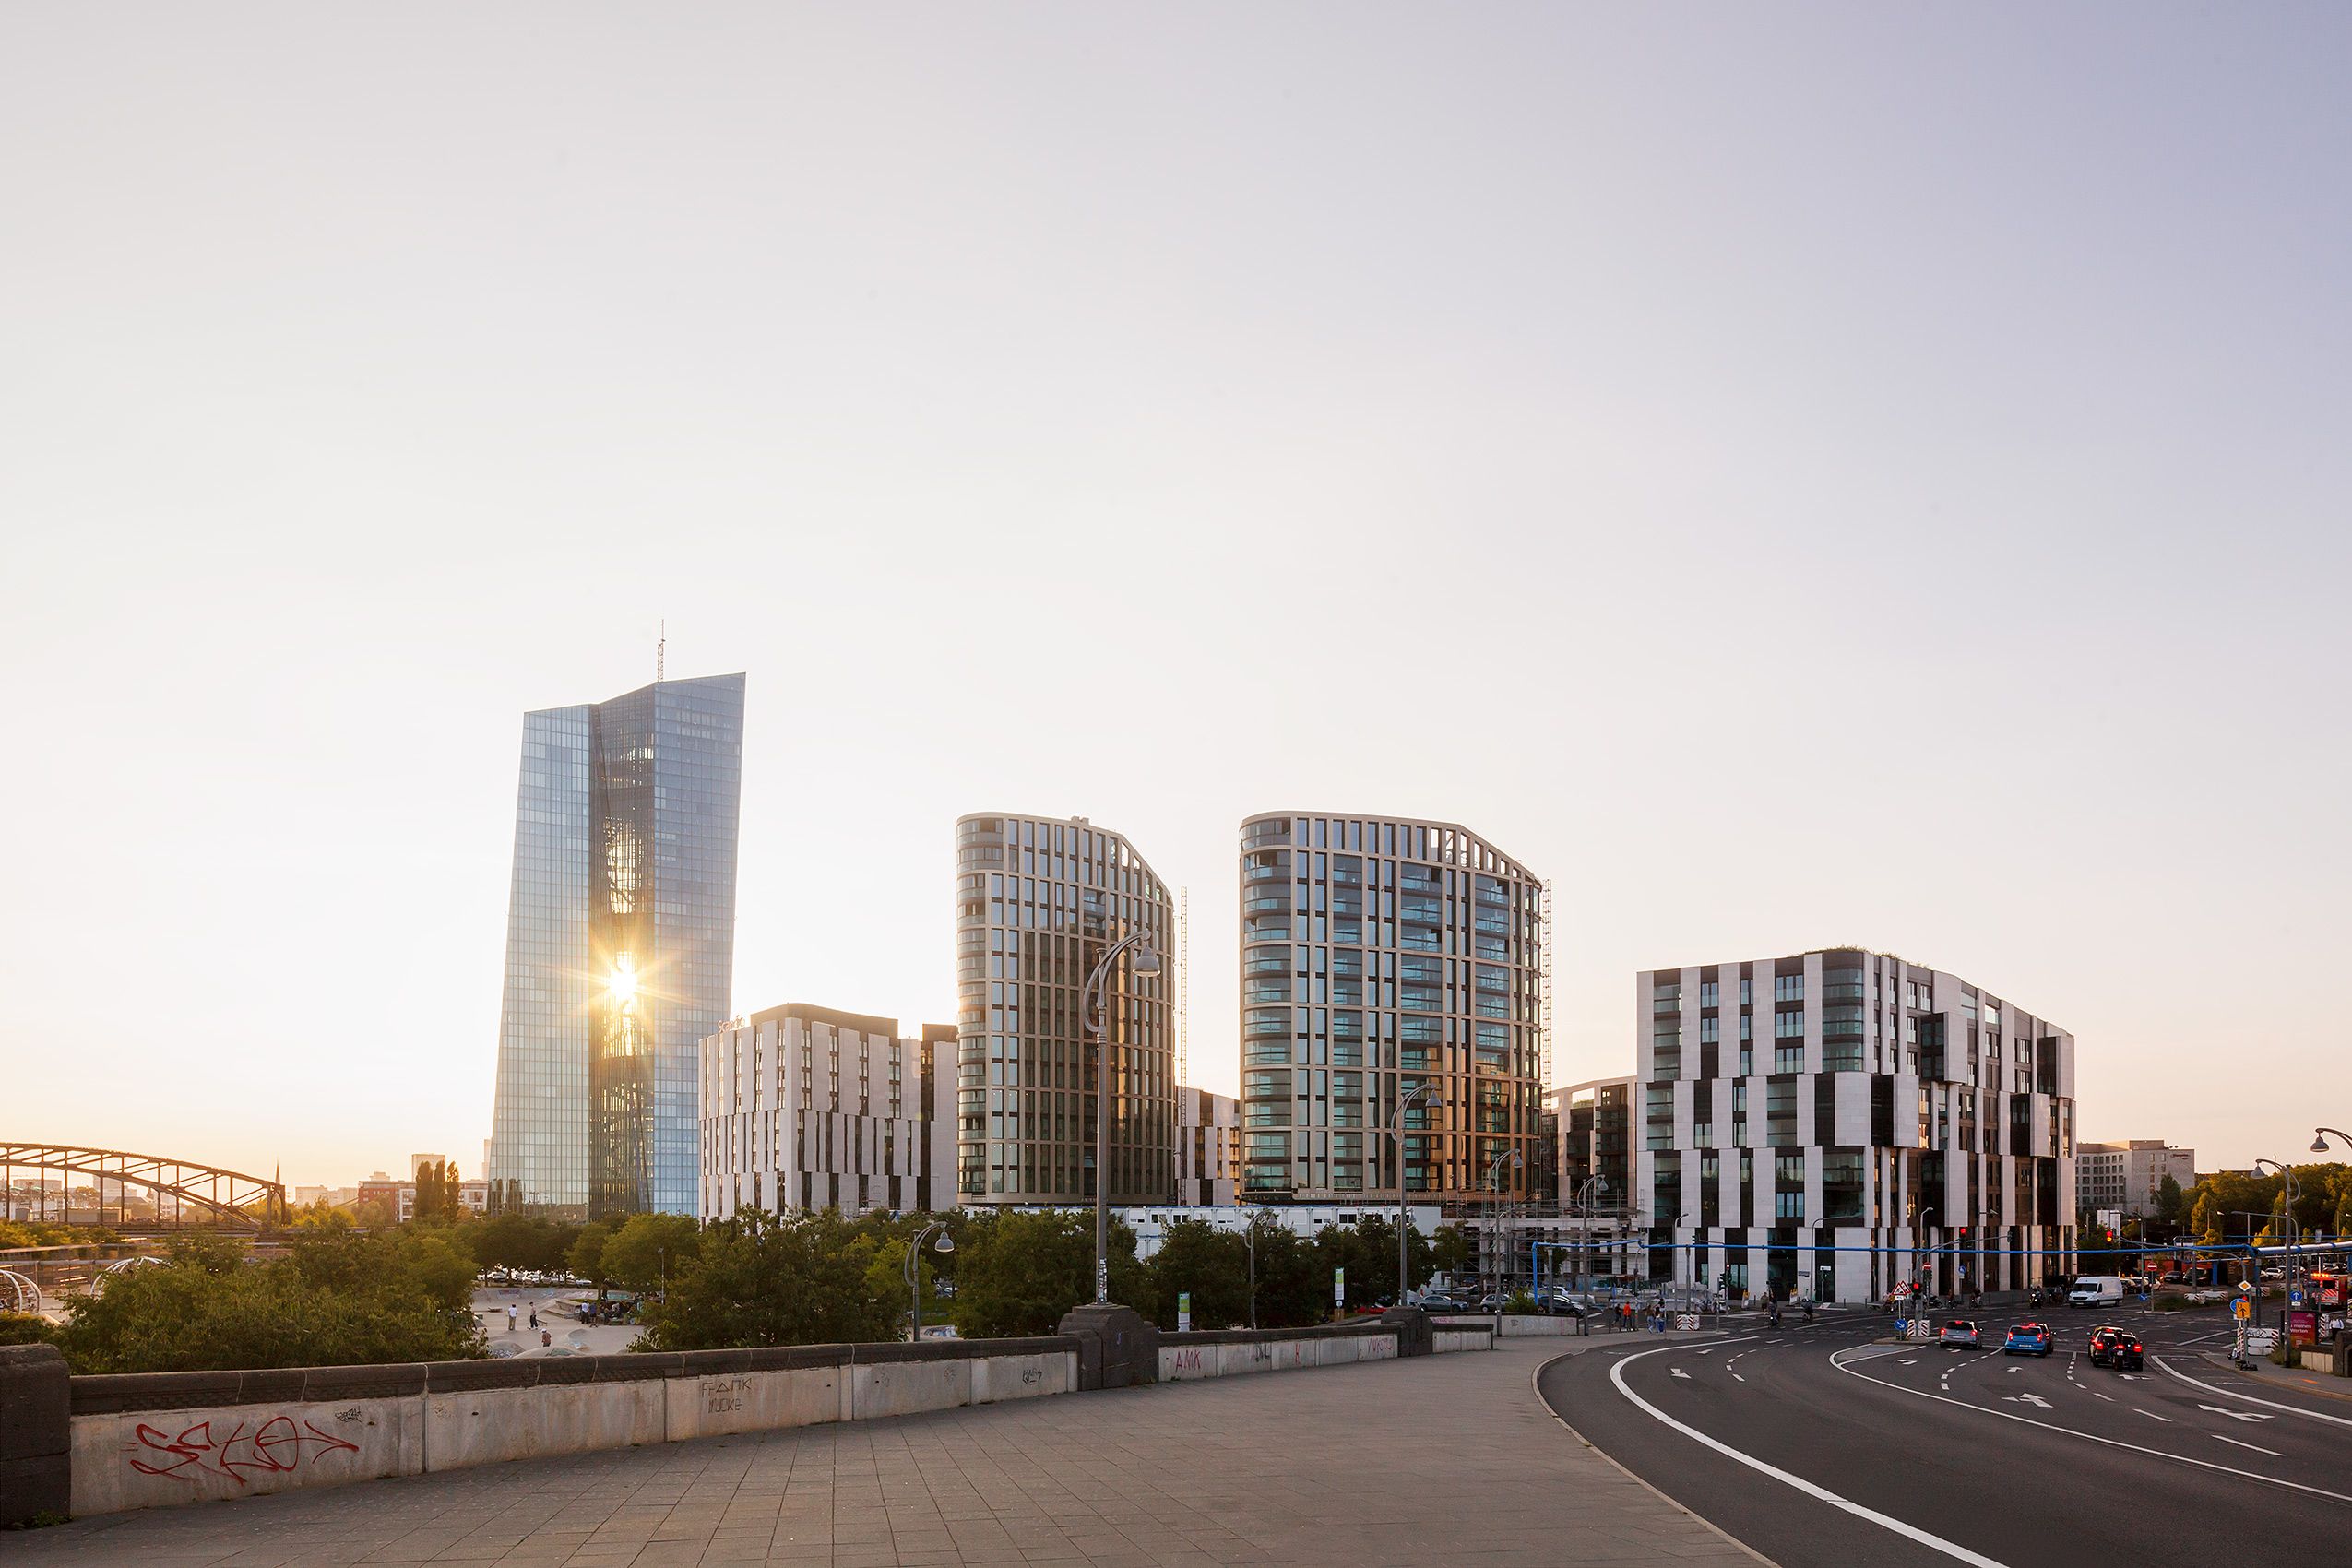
(1816, 1445)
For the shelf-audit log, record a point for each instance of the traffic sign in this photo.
(2243, 1308)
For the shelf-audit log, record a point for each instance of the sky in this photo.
(1794, 475)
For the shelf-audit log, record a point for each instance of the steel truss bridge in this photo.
(180, 1194)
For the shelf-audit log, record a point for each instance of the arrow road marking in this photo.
(2090, 1436)
(1681, 1373)
(2021, 1369)
(2166, 1367)
(2238, 1415)
(2034, 1400)
(2256, 1447)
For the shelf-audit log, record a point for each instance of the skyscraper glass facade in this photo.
(620, 948)
(1038, 903)
(1382, 959)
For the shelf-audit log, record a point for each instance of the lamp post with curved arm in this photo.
(2294, 1234)
(2343, 1273)
(1146, 962)
(913, 1271)
(1417, 1095)
(1500, 1218)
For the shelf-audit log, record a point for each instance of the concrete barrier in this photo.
(150, 1439)
(1514, 1325)
(140, 1441)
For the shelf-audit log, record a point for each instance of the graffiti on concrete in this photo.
(272, 1447)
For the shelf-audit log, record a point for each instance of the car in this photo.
(1446, 1301)
(2097, 1290)
(2028, 1339)
(2104, 1339)
(1492, 1302)
(1960, 1335)
(2127, 1355)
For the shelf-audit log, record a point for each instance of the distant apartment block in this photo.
(1038, 902)
(1382, 958)
(1839, 1120)
(2130, 1176)
(1209, 1148)
(807, 1108)
(1595, 1148)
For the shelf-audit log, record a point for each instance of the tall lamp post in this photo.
(1146, 962)
(2294, 1234)
(2343, 1274)
(1514, 1158)
(914, 1271)
(1417, 1095)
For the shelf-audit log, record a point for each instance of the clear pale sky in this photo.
(1793, 475)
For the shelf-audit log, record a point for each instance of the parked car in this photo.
(1445, 1302)
(1960, 1335)
(2028, 1339)
(2104, 1339)
(1492, 1302)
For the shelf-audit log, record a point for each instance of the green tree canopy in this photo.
(521, 1243)
(647, 1246)
(1016, 1274)
(760, 1279)
(585, 1258)
(342, 1298)
(1213, 1265)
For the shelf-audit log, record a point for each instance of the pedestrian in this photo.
(510, 1317)
(534, 1317)
(545, 1337)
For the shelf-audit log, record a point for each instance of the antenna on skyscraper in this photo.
(1183, 986)
(662, 652)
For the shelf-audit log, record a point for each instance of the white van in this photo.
(2097, 1290)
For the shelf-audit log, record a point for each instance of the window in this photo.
(1789, 988)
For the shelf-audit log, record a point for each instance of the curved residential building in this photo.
(1378, 955)
(1037, 902)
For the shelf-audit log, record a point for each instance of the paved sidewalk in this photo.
(1446, 1459)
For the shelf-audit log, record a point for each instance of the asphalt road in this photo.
(1913, 1455)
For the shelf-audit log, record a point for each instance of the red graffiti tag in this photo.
(275, 1446)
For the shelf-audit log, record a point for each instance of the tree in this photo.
(516, 1243)
(1016, 1274)
(1455, 1255)
(1210, 1265)
(2169, 1200)
(340, 1298)
(649, 1248)
(762, 1278)
(1294, 1287)
(585, 1257)
(1367, 1250)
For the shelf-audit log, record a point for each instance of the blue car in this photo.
(2028, 1339)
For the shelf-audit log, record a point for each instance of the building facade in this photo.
(1038, 903)
(807, 1108)
(1209, 1148)
(1595, 1155)
(2130, 1176)
(1382, 957)
(1837, 1122)
(619, 947)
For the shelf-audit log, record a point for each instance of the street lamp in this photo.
(913, 1269)
(1498, 1217)
(2294, 1234)
(1408, 1099)
(2319, 1137)
(2342, 1289)
(1146, 962)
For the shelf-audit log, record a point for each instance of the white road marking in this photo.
(2256, 1447)
(2085, 1436)
(2021, 1369)
(1737, 1378)
(2166, 1367)
(2035, 1399)
(2153, 1416)
(2097, 1394)
(1909, 1532)
(2238, 1415)
(1681, 1373)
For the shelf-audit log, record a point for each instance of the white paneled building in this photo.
(1836, 1123)
(806, 1107)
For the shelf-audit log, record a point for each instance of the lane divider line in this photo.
(2255, 1446)
(2153, 1416)
(1885, 1521)
(2094, 1437)
(1535, 1386)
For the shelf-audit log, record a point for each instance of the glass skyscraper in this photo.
(1392, 1012)
(1037, 903)
(619, 947)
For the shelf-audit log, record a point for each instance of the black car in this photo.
(2104, 1339)
(2126, 1355)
